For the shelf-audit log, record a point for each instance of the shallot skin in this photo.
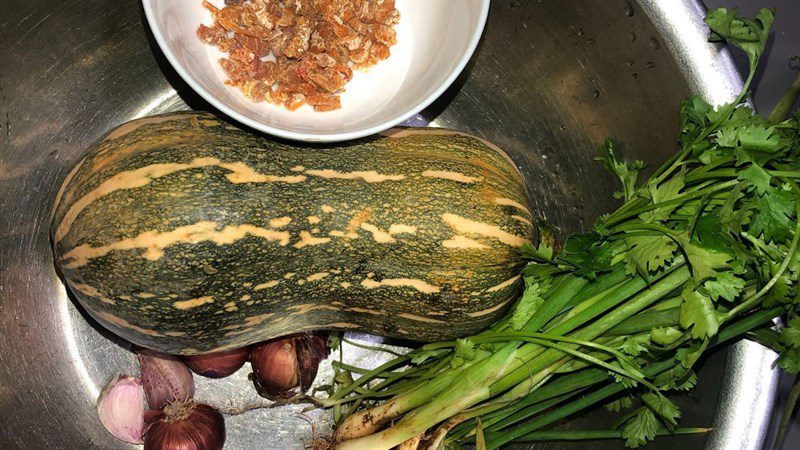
(285, 365)
(186, 426)
(219, 364)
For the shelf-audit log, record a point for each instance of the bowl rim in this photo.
(477, 33)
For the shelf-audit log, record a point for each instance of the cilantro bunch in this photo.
(702, 252)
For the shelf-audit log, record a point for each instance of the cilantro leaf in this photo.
(677, 378)
(465, 351)
(689, 208)
(708, 231)
(688, 356)
(744, 156)
(545, 251)
(727, 137)
(781, 291)
(694, 118)
(759, 138)
(725, 285)
(732, 215)
(665, 335)
(334, 341)
(743, 116)
(749, 35)
(627, 173)
(789, 360)
(544, 282)
(620, 404)
(688, 382)
(641, 429)
(772, 218)
(528, 304)
(635, 345)
(539, 272)
(541, 252)
(720, 116)
(713, 154)
(626, 382)
(703, 261)
(685, 382)
(648, 253)
(528, 251)
(790, 334)
(419, 356)
(667, 190)
(694, 110)
(757, 144)
(758, 178)
(662, 406)
(697, 314)
(589, 253)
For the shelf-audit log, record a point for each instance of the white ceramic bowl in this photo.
(435, 39)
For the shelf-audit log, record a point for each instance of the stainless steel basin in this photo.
(549, 82)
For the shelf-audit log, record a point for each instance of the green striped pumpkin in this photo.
(187, 235)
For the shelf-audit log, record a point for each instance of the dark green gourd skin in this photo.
(184, 234)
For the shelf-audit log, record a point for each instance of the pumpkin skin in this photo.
(184, 234)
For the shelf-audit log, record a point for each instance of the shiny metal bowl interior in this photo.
(550, 80)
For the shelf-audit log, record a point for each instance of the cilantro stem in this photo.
(506, 368)
(719, 173)
(766, 337)
(522, 367)
(567, 384)
(598, 303)
(593, 309)
(360, 381)
(602, 284)
(538, 400)
(786, 414)
(480, 440)
(672, 164)
(371, 347)
(613, 219)
(584, 435)
(784, 173)
(745, 305)
(709, 167)
(358, 370)
(559, 298)
(786, 102)
(503, 417)
(496, 439)
(646, 321)
(660, 229)
(746, 324)
(590, 377)
(544, 340)
(732, 173)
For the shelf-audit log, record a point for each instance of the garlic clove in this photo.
(165, 378)
(121, 407)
